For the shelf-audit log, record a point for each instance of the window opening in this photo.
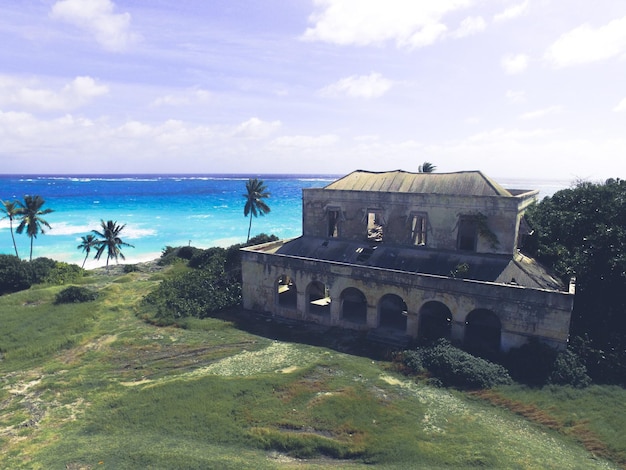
(333, 223)
(374, 226)
(468, 230)
(418, 229)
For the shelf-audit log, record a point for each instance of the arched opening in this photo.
(435, 321)
(482, 332)
(318, 298)
(353, 305)
(392, 310)
(287, 292)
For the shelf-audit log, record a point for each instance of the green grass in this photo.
(594, 415)
(93, 386)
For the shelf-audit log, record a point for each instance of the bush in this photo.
(194, 294)
(171, 254)
(211, 258)
(40, 269)
(64, 273)
(14, 274)
(537, 364)
(457, 368)
(411, 360)
(532, 363)
(74, 294)
(569, 370)
(130, 268)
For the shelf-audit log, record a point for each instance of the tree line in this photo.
(581, 232)
(29, 213)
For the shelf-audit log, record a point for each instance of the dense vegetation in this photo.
(213, 283)
(581, 232)
(16, 274)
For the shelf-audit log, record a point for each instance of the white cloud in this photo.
(111, 30)
(515, 97)
(469, 26)
(373, 85)
(190, 97)
(27, 94)
(305, 141)
(513, 64)
(255, 128)
(584, 44)
(362, 22)
(512, 12)
(621, 106)
(541, 112)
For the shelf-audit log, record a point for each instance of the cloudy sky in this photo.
(511, 87)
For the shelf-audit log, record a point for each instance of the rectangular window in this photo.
(333, 223)
(374, 226)
(419, 224)
(468, 234)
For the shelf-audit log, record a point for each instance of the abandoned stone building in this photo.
(415, 256)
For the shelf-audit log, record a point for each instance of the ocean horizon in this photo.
(159, 210)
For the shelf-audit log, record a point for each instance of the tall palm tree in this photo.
(110, 241)
(256, 191)
(426, 167)
(87, 242)
(12, 210)
(30, 211)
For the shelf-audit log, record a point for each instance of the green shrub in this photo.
(14, 274)
(532, 363)
(537, 364)
(74, 294)
(130, 268)
(194, 294)
(569, 370)
(40, 269)
(211, 258)
(64, 273)
(170, 255)
(412, 360)
(458, 368)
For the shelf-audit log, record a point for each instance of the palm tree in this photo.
(256, 191)
(110, 241)
(87, 242)
(426, 167)
(12, 210)
(30, 211)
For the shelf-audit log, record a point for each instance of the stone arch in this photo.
(392, 311)
(482, 332)
(353, 305)
(318, 299)
(286, 292)
(435, 321)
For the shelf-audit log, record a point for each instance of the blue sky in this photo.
(515, 88)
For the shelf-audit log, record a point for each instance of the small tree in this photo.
(12, 210)
(87, 242)
(110, 241)
(256, 192)
(426, 167)
(31, 211)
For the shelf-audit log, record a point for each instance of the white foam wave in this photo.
(64, 228)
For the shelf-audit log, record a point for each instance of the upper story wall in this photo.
(484, 224)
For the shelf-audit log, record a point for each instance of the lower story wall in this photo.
(416, 305)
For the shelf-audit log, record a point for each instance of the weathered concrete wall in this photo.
(443, 211)
(523, 312)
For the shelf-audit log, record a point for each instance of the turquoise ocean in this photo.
(167, 210)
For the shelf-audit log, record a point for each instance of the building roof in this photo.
(517, 270)
(465, 183)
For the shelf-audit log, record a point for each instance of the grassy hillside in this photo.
(93, 386)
